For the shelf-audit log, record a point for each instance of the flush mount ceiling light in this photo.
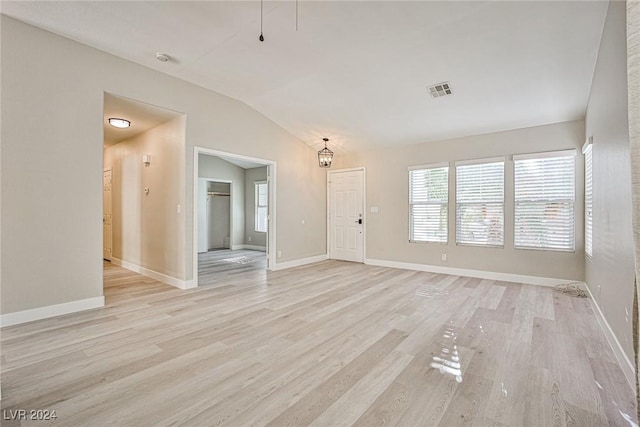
(440, 89)
(325, 156)
(119, 123)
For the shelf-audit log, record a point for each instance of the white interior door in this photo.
(106, 215)
(346, 215)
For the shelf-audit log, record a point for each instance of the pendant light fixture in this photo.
(325, 156)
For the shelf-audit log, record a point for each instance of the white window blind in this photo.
(588, 200)
(261, 207)
(428, 204)
(544, 201)
(480, 203)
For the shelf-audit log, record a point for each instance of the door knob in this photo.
(359, 221)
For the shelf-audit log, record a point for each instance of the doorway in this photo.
(214, 216)
(346, 215)
(107, 214)
(142, 144)
(234, 223)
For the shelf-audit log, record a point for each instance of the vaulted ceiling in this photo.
(357, 72)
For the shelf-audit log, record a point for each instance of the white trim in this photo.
(364, 209)
(161, 277)
(625, 364)
(48, 311)
(545, 155)
(271, 232)
(429, 166)
(299, 262)
(588, 143)
(109, 169)
(249, 247)
(254, 248)
(480, 161)
(359, 168)
(480, 274)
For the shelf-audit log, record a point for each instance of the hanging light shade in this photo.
(325, 156)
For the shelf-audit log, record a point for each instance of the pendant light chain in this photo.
(261, 38)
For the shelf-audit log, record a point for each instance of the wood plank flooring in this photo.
(215, 265)
(329, 344)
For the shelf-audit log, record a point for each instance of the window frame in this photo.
(537, 156)
(462, 163)
(445, 203)
(587, 151)
(257, 205)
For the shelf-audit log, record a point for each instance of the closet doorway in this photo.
(234, 224)
(216, 225)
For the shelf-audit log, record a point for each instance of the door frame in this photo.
(364, 209)
(271, 188)
(109, 169)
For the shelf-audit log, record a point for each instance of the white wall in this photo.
(610, 272)
(52, 112)
(388, 188)
(212, 167)
(250, 178)
(146, 228)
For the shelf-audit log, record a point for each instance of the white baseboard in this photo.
(299, 262)
(169, 280)
(254, 248)
(626, 365)
(40, 313)
(480, 274)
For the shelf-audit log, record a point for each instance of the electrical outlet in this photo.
(249, 238)
(443, 257)
(279, 254)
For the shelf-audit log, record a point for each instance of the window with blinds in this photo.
(545, 201)
(428, 203)
(480, 202)
(261, 207)
(588, 200)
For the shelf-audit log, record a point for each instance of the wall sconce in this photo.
(325, 156)
(146, 159)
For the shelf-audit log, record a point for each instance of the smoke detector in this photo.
(440, 89)
(162, 57)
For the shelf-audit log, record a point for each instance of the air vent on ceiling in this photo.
(440, 89)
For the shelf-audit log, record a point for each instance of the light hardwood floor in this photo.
(330, 344)
(214, 265)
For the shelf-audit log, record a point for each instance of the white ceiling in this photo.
(142, 117)
(356, 72)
